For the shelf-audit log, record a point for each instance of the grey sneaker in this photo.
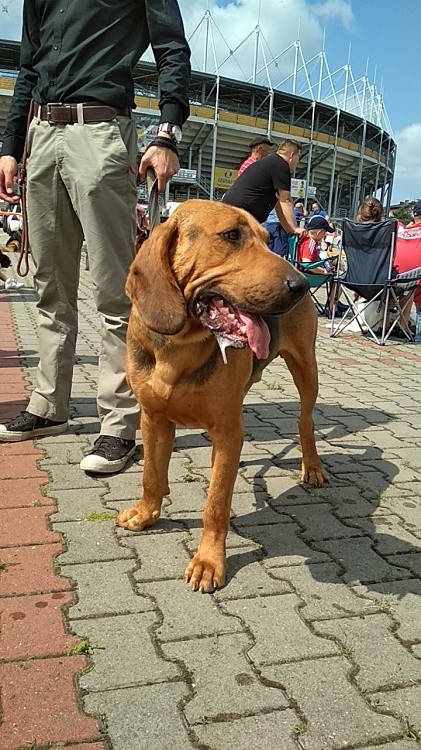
(28, 426)
(108, 455)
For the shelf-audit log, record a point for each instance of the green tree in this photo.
(403, 213)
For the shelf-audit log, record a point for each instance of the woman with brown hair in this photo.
(369, 210)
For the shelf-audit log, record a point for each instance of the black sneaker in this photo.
(28, 426)
(108, 455)
(341, 309)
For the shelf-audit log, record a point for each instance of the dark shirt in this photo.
(255, 188)
(83, 50)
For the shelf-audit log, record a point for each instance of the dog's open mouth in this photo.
(233, 327)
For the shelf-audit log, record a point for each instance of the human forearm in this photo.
(16, 123)
(172, 56)
(285, 213)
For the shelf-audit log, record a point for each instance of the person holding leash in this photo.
(75, 86)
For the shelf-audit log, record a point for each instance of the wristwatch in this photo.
(174, 131)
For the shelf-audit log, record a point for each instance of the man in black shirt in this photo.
(266, 184)
(77, 59)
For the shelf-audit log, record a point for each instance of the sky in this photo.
(380, 39)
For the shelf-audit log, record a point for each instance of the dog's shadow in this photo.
(355, 530)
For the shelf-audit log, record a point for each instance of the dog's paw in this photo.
(134, 520)
(205, 575)
(315, 475)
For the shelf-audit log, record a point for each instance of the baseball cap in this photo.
(318, 222)
(416, 208)
(260, 139)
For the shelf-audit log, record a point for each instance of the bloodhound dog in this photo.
(211, 307)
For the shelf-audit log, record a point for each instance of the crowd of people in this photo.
(263, 187)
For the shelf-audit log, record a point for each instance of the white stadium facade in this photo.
(348, 150)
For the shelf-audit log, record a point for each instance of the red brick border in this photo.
(39, 702)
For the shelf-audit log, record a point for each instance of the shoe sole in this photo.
(97, 465)
(17, 437)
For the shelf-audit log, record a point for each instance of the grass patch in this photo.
(84, 647)
(275, 386)
(300, 728)
(409, 732)
(2, 565)
(104, 515)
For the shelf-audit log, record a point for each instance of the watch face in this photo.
(176, 133)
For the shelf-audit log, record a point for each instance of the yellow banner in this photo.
(223, 178)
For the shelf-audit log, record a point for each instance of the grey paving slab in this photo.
(74, 505)
(104, 588)
(218, 691)
(160, 556)
(360, 638)
(125, 652)
(274, 731)
(280, 635)
(404, 702)
(402, 600)
(321, 589)
(143, 718)
(182, 616)
(336, 715)
(90, 541)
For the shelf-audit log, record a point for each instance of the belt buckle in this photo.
(49, 105)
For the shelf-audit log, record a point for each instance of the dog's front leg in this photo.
(206, 571)
(158, 438)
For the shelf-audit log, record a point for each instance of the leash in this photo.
(154, 213)
(22, 268)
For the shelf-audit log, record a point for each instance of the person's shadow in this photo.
(332, 524)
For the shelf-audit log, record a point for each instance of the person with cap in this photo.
(309, 244)
(259, 147)
(309, 251)
(266, 185)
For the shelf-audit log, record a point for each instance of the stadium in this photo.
(348, 150)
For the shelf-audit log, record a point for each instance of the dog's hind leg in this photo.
(158, 438)
(298, 352)
(206, 571)
(304, 373)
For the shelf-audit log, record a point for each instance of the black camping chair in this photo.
(369, 250)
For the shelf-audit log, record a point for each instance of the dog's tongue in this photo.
(258, 335)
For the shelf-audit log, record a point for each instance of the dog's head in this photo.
(209, 255)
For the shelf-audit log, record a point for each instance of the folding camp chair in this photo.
(316, 280)
(369, 250)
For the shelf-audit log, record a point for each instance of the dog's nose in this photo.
(296, 284)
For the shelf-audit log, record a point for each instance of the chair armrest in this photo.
(413, 275)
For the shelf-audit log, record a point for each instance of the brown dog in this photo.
(204, 280)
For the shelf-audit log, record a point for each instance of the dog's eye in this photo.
(232, 235)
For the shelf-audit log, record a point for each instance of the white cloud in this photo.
(336, 10)
(407, 183)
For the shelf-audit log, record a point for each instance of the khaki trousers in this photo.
(82, 183)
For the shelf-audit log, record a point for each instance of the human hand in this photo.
(163, 162)
(8, 169)
(298, 231)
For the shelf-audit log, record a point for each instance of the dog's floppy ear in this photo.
(151, 285)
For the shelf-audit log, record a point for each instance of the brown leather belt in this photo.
(68, 114)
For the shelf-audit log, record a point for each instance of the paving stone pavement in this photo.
(315, 641)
